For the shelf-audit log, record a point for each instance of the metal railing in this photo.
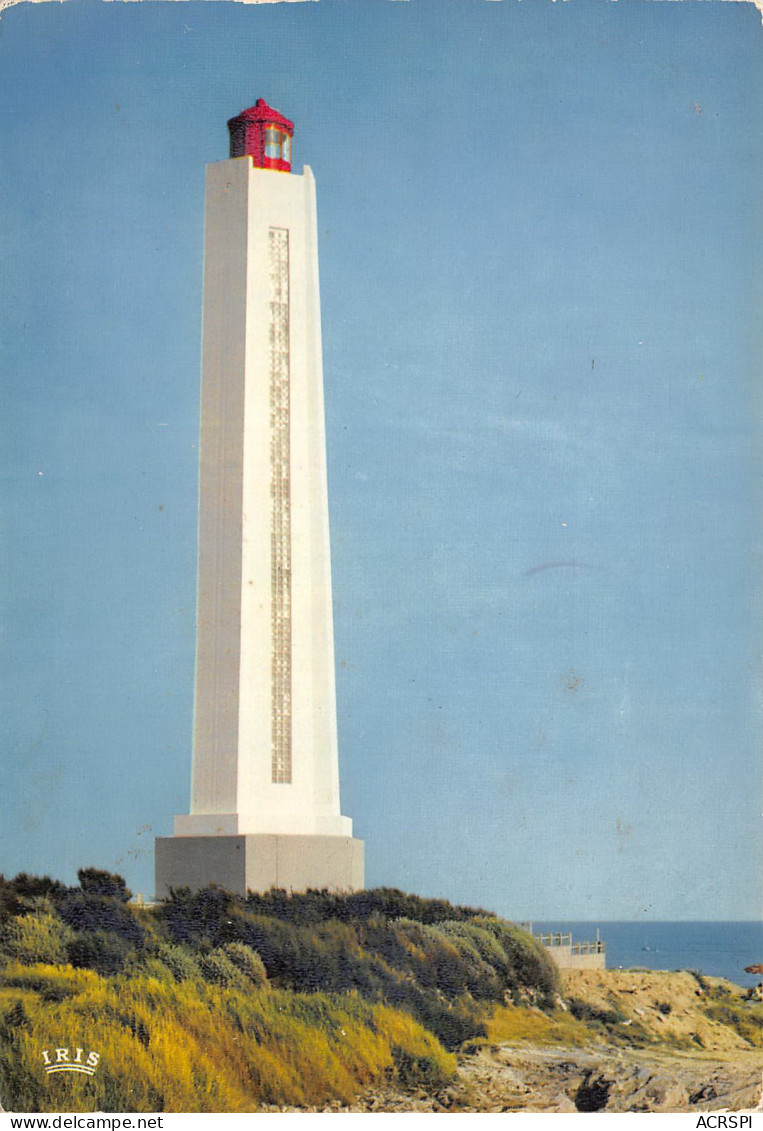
(565, 940)
(588, 947)
(555, 940)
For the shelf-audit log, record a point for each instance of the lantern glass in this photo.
(273, 143)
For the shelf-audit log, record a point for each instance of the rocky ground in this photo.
(659, 1052)
(523, 1078)
(567, 1080)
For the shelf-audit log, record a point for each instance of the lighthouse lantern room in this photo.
(264, 135)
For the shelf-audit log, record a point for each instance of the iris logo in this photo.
(59, 1060)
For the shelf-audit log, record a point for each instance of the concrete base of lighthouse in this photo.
(258, 862)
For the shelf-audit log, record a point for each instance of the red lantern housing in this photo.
(264, 135)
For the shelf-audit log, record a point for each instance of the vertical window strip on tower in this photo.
(280, 507)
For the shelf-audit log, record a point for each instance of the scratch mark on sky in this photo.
(555, 565)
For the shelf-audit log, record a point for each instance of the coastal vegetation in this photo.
(212, 1002)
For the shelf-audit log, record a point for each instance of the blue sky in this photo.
(541, 284)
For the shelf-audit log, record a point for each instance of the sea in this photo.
(721, 949)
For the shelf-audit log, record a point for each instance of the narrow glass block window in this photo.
(280, 507)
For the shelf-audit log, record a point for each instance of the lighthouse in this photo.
(265, 809)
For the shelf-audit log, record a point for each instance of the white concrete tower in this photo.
(265, 808)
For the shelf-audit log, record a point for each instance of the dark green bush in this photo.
(420, 1070)
(314, 906)
(425, 963)
(93, 881)
(386, 939)
(36, 887)
(10, 904)
(436, 961)
(95, 913)
(528, 965)
(323, 957)
(15, 1018)
(203, 916)
(451, 1022)
(482, 967)
(102, 951)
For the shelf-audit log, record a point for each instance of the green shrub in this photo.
(36, 937)
(436, 961)
(451, 1022)
(100, 914)
(140, 964)
(326, 956)
(181, 964)
(317, 906)
(247, 961)
(108, 884)
(12, 1022)
(102, 951)
(386, 939)
(485, 943)
(10, 904)
(217, 969)
(205, 916)
(417, 1070)
(528, 965)
(483, 977)
(28, 887)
